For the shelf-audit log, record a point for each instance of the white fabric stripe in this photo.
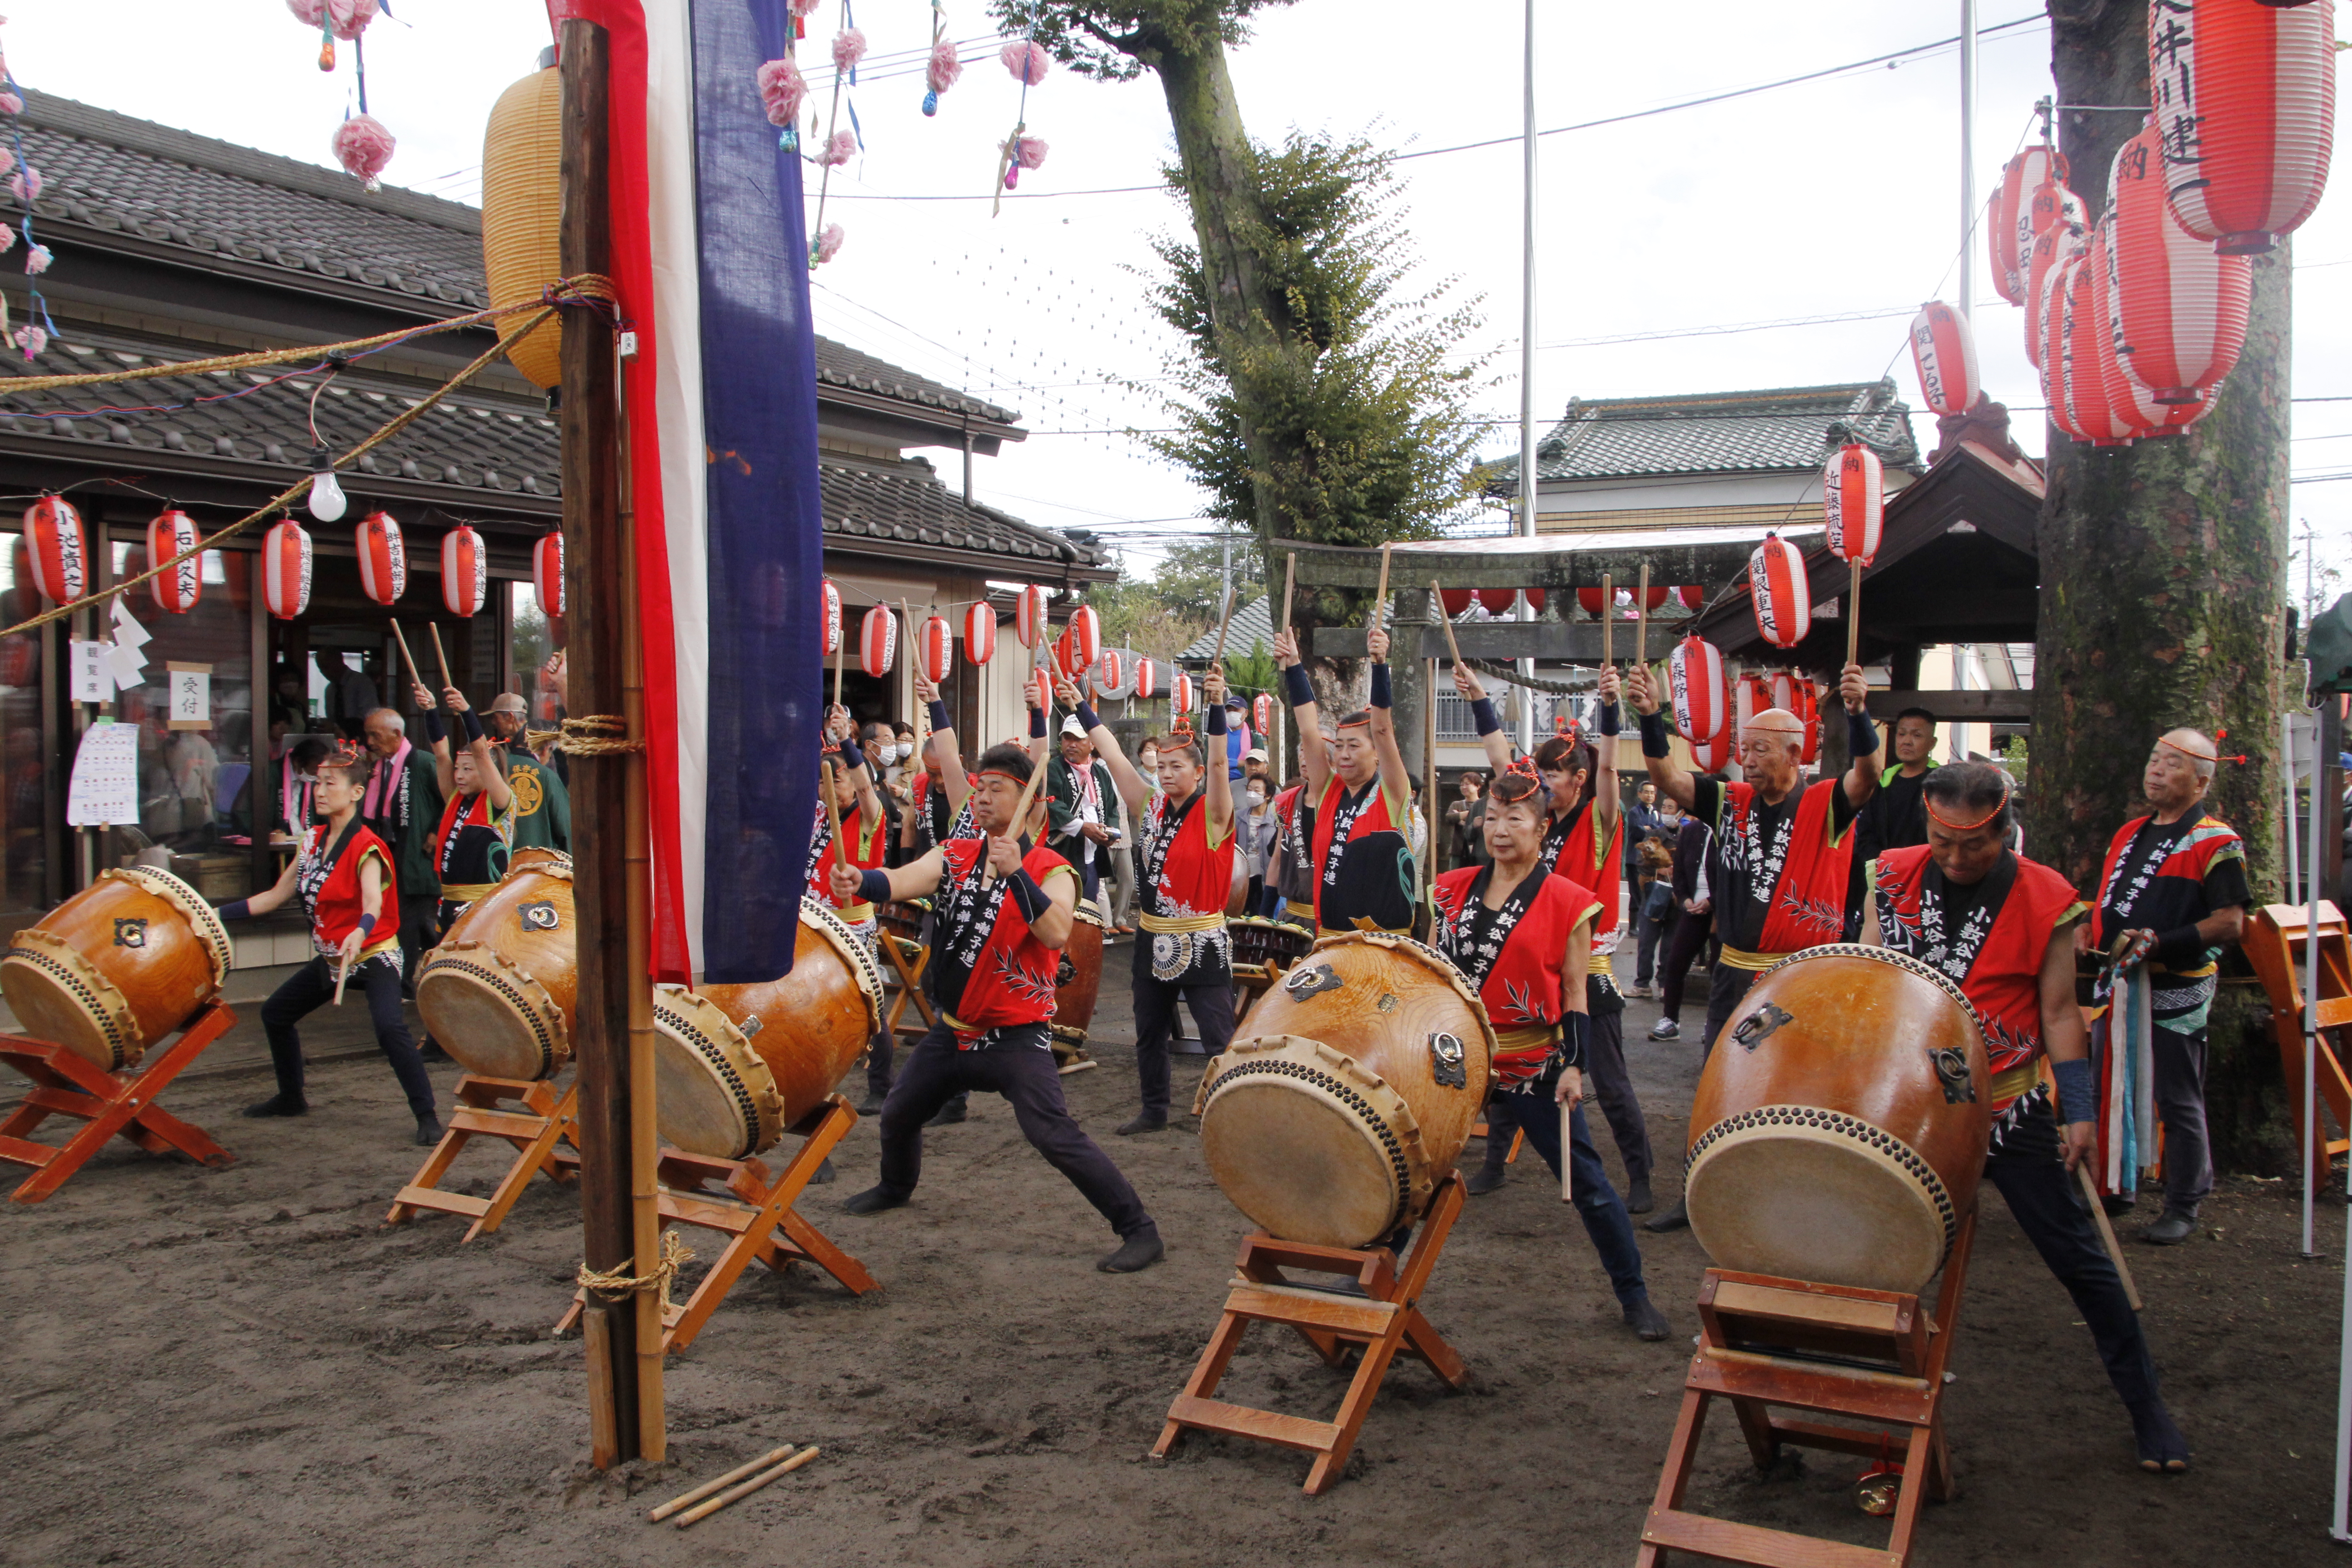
(678, 403)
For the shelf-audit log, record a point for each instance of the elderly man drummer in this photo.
(1783, 851)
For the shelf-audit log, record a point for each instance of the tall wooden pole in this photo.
(598, 573)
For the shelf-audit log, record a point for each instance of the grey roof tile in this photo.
(1773, 430)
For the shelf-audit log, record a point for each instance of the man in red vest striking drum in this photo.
(1002, 916)
(1782, 853)
(2003, 927)
(1365, 878)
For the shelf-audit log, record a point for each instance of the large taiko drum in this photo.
(118, 966)
(1077, 975)
(736, 1065)
(1360, 1080)
(1840, 1127)
(537, 855)
(498, 994)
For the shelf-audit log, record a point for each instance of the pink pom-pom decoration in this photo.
(1029, 151)
(1025, 60)
(7, 161)
(828, 244)
(804, 7)
(350, 18)
(37, 261)
(848, 47)
(7, 237)
(32, 340)
(363, 146)
(25, 184)
(308, 12)
(783, 91)
(11, 104)
(945, 68)
(839, 150)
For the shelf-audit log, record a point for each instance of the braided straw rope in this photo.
(613, 1286)
(582, 288)
(596, 735)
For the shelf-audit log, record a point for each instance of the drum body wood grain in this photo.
(1078, 975)
(118, 966)
(1841, 1124)
(736, 1065)
(1360, 1080)
(498, 992)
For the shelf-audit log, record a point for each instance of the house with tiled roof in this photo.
(1729, 459)
(171, 247)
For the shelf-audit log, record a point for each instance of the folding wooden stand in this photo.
(2274, 943)
(107, 1103)
(909, 959)
(1385, 1319)
(534, 1132)
(1518, 1140)
(751, 1209)
(1825, 1349)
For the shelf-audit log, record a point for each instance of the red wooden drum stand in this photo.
(535, 1131)
(1823, 1350)
(1385, 1319)
(68, 1084)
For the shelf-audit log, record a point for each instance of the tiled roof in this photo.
(844, 366)
(1776, 430)
(904, 503)
(1253, 624)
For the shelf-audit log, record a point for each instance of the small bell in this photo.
(327, 52)
(1011, 176)
(931, 103)
(1878, 1489)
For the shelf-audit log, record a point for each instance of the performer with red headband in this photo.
(2172, 895)
(1582, 842)
(1365, 876)
(2003, 927)
(474, 835)
(1186, 842)
(343, 875)
(1782, 853)
(1292, 859)
(1003, 914)
(939, 788)
(1522, 934)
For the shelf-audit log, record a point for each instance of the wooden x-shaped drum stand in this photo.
(755, 1213)
(1826, 1350)
(2274, 944)
(908, 959)
(1385, 1319)
(535, 1131)
(106, 1103)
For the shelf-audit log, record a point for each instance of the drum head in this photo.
(1297, 1160)
(491, 1018)
(715, 1095)
(1813, 1195)
(59, 997)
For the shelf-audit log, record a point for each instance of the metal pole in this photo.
(2341, 1528)
(2311, 1165)
(2286, 798)
(1967, 158)
(1530, 482)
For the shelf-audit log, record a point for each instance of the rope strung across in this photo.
(594, 735)
(613, 1287)
(585, 290)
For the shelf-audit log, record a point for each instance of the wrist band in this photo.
(2179, 948)
(1036, 723)
(1296, 686)
(851, 757)
(1482, 714)
(1213, 720)
(1607, 723)
(1654, 740)
(367, 926)
(1381, 695)
(434, 729)
(473, 722)
(939, 719)
(235, 910)
(1573, 1033)
(1087, 716)
(1861, 735)
(1027, 894)
(874, 886)
(2078, 1090)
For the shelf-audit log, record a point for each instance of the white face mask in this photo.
(1256, 798)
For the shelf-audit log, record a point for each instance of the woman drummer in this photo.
(1521, 935)
(1185, 849)
(477, 827)
(343, 876)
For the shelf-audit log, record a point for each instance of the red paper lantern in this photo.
(2245, 114)
(1499, 601)
(1107, 679)
(1781, 685)
(1041, 687)
(1455, 601)
(1944, 351)
(878, 641)
(384, 558)
(1750, 696)
(1262, 715)
(2132, 407)
(979, 633)
(2178, 310)
(1086, 640)
(1146, 679)
(1702, 695)
(1180, 695)
(2078, 397)
(177, 589)
(547, 576)
(1711, 754)
(465, 571)
(935, 650)
(2011, 232)
(58, 554)
(2049, 336)
(1776, 575)
(1853, 499)
(2060, 241)
(286, 570)
(830, 617)
(1029, 622)
(1809, 709)
(1692, 596)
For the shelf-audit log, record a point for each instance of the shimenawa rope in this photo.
(617, 1284)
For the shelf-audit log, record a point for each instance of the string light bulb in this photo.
(326, 502)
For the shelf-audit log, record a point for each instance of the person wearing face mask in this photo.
(1256, 836)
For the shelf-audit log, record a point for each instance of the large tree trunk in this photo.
(2163, 567)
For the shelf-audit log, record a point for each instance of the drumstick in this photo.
(1608, 618)
(2106, 1232)
(1642, 626)
(1567, 1153)
(1853, 614)
(406, 658)
(839, 649)
(342, 969)
(687, 1498)
(1020, 815)
(440, 653)
(832, 814)
(703, 1511)
(1290, 578)
(1218, 663)
(1379, 596)
(1437, 601)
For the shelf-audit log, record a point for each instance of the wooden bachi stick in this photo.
(687, 1499)
(1607, 621)
(441, 654)
(1567, 1153)
(1853, 614)
(1381, 595)
(1289, 581)
(1437, 602)
(406, 658)
(1642, 609)
(1225, 620)
(703, 1511)
(2106, 1232)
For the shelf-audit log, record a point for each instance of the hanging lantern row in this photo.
(1498, 601)
(2244, 115)
(2008, 223)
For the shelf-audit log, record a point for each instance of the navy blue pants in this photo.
(312, 987)
(1597, 1203)
(1155, 1023)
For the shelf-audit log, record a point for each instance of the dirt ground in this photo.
(246, 1367)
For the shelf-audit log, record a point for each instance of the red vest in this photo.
(1522, 987)
(1375, 817)
(1008, 977)
(2004, 982)
(331, 892)
(865, 851)
(1594, 866)
(1196, 877)
(1808, 906)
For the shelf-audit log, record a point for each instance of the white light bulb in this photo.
(327, 502)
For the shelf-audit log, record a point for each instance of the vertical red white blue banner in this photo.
(710, 261)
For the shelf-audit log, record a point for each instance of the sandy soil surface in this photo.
(246, 1367)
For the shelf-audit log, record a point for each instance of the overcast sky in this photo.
(1835, 197)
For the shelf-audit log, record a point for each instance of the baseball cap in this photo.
(1254, 754)
(509, 702)
(1070, 726)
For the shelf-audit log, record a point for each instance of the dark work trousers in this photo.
(1024, 1075)
(2029, 1169)
(1155, 1018)
(1647, 935)
(2179, 1062)
(1725, 990)
(312, 987)
(883, 1048)
(420, 927)
(1612, 1086)
(1597, 1203)
(1682, 948)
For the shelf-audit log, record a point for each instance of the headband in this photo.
(1965, 827)
(1356, 723)
(1013, 779)
(1776, 722)
(2190, 750)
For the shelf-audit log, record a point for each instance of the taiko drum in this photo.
(1840, 1123)
(1361, 1077)
(112, 969)
(734, 1066)
(498, 992)
(1077, 976)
